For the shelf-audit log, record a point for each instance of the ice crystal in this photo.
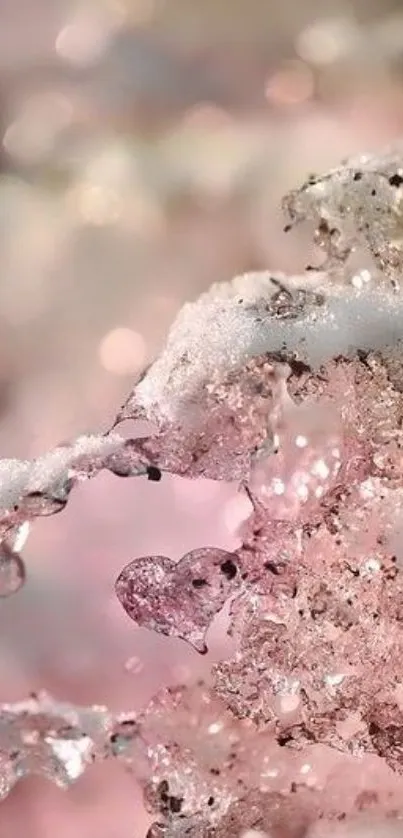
(259, 309)
(296, 391)
(293, 387)
(52, 739)
(149, 590)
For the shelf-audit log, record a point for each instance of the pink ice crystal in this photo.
(149, 590)
(293, 387)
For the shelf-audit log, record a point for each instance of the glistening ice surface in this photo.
(291, 386)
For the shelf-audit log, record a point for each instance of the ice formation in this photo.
(202, 581)
(57, 740)
(292, 386)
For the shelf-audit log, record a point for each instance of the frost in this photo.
(309, 444)
(358, 205)
(73, 755)
(195, 360)
(41, 487)
(211, 391)
(292, 387)
(178, 599)
(53, 739)
(225, 327)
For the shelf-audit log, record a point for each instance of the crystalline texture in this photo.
(213, 775)
(42, 486)
(311, 413)
(294, 388)
(55, 740)
(356, 205)
(259, 309)
(150, 588)
(211, 390)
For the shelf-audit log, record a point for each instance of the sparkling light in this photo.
(215, 727)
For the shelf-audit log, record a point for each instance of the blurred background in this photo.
(144, 149)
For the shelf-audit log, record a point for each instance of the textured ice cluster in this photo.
(357, 207)
(292, 386)
(57, 740)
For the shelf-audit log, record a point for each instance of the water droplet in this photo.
(12, 571)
